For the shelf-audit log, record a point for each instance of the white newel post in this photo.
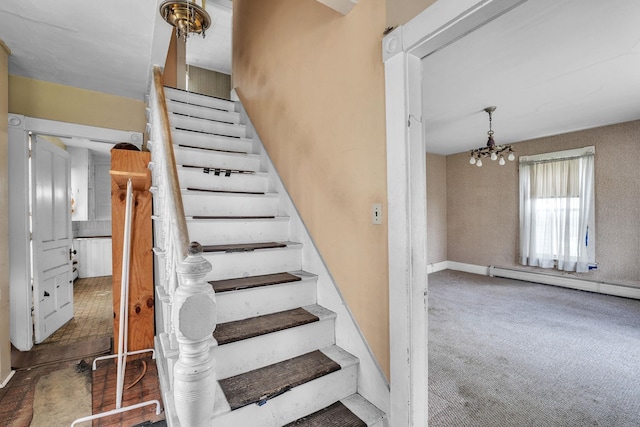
(194, 315)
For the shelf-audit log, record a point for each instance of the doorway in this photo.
(22, 273)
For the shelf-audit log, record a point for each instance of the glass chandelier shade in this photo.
(491, 150)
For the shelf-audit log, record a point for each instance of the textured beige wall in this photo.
(482, 203)
(436, 208)
(399, 12)
(209, 82)
(5, 340)
(44, 100)
(312, 81)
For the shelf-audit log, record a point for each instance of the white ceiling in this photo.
(550, 66)
(106, 46)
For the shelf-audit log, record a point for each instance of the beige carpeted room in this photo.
(505, 352)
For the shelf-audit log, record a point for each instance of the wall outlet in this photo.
(377, 213)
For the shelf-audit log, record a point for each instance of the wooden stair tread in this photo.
(253, 386)
(232, 217)
(237, 330)
(212, 149)
(224, 191)
(336, 415)
(242, 247)
(252, 282)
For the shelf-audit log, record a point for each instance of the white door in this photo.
(51, 238)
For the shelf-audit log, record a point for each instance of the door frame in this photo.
(21, 295)
(403, 49)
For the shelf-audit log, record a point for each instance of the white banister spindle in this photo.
(194, 316)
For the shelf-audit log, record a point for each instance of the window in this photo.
(557, 210)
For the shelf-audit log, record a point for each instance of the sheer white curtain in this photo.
(557, 213)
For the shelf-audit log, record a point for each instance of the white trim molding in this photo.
(402, 50)
(341, 6)
(545, 279)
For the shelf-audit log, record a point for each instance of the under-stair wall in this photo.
(372, 382)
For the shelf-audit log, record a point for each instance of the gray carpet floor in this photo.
(511, 353)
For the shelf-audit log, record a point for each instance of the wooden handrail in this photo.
(181, 234)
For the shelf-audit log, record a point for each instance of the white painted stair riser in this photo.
(197, 99)
(214, 142)
(220, 204)
(257, 352)
(203, 112)
(299, 401)
(216, 159)
(203, 125)
(196, 178)
(245, 303)
(228, 265)
(224, 231)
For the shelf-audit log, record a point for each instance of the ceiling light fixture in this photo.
(491, 150)
(186, 16)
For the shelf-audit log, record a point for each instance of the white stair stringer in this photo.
(251, 206)
(301, 400)
(372, 382)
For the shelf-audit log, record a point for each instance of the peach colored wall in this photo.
(399, 12)
(5, 341)
(436, 208)
(482, 203)
(312, 82)
(44, 100)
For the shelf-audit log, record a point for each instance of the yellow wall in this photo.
(44, 100)
(312, 81)
(5, 341)
(399, 12)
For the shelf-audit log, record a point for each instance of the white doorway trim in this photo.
(21, 297)
(403, 49)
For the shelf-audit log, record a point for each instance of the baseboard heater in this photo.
(566, 282)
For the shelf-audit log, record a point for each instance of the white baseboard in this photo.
(546, 279)
(437, 266)
(6, 380)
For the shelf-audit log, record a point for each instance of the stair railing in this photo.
(181, 270)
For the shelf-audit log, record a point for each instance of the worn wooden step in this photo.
(336, 415)
(252, 282)
(240, 299)
(205, 190)
(223, 230)
(248, 328)
(228, 265)
(207, 203)
(190, 109)
(301, 400)
(195, 124)
(216, 159)
(243, 247)
(191, 139)
(271, 381)
(223, 180)
(253, 343)
(198, 99)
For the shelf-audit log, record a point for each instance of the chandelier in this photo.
(186, 16)
(491, 150)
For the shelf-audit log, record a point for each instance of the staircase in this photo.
(277, 362)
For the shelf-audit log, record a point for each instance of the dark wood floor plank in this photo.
(251, 387)
(255, 326)
(336, 415)
(242, 247)
(253, 282)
